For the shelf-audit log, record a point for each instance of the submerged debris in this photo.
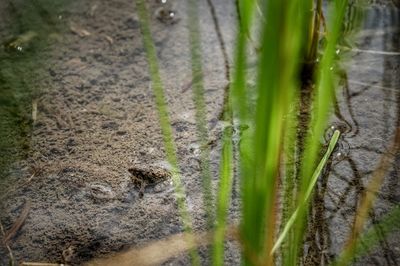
(18, 223)
(102, 192)
(166, 13)
(69, 253)
(81, 32)
(20, 42)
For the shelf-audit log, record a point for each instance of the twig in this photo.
(34, 110)
(10, 254)
(81, 32)
(41, 264)
(18, 223)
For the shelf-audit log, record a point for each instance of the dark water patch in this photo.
(368, 111)
(27, 30)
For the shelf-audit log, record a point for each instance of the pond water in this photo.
(369, 110)
(77, 112)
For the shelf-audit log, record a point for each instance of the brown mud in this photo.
(96, 118)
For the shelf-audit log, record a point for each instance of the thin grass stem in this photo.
(321, 107)
(224, 192)
(309, 190)
(199, 100)
(165, 122)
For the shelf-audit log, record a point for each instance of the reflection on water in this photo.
(27, 29)
(368, 105)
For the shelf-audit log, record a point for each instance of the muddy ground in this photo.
(96, 118)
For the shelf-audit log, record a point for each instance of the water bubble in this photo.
(329, 133)
(194, 149)
(341, 151)
(342, 127)
(167, 15)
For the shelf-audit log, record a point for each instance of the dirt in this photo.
(96, 119)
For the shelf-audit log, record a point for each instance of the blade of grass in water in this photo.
(198, 94)
(240, 110)
(309, 190)
(164, 120)
(277, 77)
(245, 12)
(240, 99)
(224, 192)
(321, 108)
(239, 92)
(289, 184)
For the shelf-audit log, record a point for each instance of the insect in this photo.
(143, 177)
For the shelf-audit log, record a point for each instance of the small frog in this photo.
(143, 177)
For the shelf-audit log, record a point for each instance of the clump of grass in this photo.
(277, 169)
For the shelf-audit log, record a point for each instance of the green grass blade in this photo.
(289, 184)
(240, 98)
(245, 10)
(277, 79)
(309, 190)
(198, 97)
(321, 108)
(224, 193)
(324, 93)
(164, 120)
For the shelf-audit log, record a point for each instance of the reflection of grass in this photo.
(388, 224)
(164, 120)
(21, 70)
(198, 91)
(277, 169)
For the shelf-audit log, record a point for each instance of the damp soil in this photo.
(92, 118)
(96, 119)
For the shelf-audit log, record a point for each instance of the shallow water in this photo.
(368, 113)
(77, 112)
(95, 119)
